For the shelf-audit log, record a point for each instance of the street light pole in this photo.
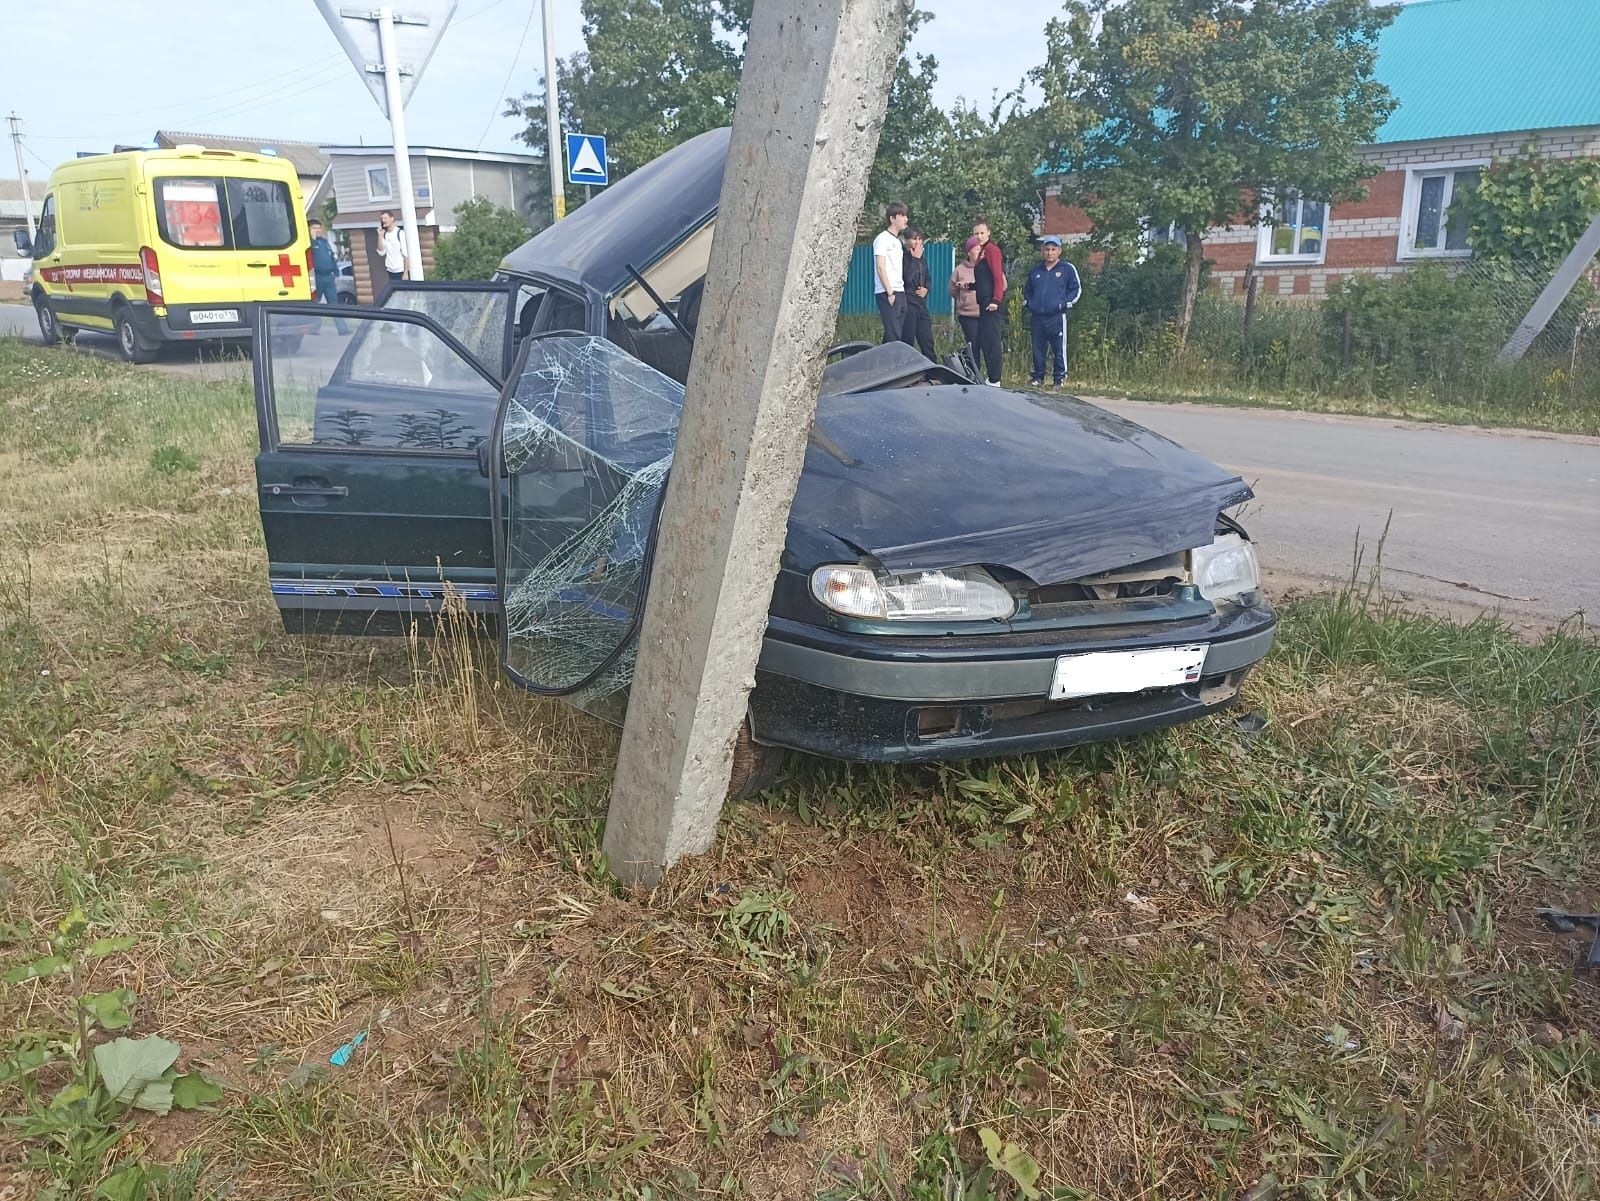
(552, 117)
(22, 174)
(402, 148)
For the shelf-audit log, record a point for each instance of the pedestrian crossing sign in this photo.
(586, 158)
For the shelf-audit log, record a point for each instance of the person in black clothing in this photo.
(916, 328)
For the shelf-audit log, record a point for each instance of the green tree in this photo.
(1200, 109)
(652, 74)
(484, 234)
(1529, 208)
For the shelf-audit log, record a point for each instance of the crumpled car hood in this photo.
(1049, 486)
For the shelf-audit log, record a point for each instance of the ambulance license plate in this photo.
(1102, 672)
(214, 316)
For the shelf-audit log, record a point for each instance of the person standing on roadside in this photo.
(989, 281)
(392, 246)
(917, 329)
(325, 272)
(964, 291)
(1051, 289)
(888, 279)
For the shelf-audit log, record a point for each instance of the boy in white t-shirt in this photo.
(888, 281)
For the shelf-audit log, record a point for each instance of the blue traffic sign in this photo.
(586, 158)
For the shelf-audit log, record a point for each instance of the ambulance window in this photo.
(189, 212)
(45, 241)
(263, 217)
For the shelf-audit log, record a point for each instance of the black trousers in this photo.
(987, 345)
(894, 315)
(918, 328)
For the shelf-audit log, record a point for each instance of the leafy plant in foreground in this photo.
(74, 1128)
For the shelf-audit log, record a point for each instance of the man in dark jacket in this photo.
(917, 327)
(1051, 290)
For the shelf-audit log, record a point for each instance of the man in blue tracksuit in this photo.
(1051, 290)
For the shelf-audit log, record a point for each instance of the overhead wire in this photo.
(516, 58)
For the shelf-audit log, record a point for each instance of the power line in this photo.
(533, 7)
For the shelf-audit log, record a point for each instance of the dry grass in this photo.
(1170, 968)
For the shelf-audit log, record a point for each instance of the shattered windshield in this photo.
(588, 441)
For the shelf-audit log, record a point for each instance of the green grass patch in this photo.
(1299, 956)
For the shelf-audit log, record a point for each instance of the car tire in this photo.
(49, 327)
(128, 344)
(755, 766)
(347, 298)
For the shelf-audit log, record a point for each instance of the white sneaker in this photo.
(993, 383)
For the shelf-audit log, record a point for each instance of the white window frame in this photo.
(1148, 241)
(388, 174)
(1411, 206)
(1264, 255)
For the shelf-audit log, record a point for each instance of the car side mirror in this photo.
(23, 243)
(485, 449)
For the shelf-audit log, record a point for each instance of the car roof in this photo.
(634, 221)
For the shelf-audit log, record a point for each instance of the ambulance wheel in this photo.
(133, 350)
(755, 766)
(49, 329)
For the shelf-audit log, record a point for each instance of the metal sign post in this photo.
(390, 50)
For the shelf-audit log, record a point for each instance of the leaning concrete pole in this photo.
(1562, 282)
(811, 105)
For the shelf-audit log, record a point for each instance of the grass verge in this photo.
(1297, 959)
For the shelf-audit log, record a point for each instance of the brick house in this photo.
(1476, 80)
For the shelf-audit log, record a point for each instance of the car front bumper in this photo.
(902, 700)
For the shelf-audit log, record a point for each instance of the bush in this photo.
(484, 234)
(1427, 325)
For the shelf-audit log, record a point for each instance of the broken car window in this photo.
(588, 441)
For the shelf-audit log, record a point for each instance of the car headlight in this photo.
(1226, 568)
(953, 594)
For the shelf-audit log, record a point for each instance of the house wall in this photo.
(1363, 235)
(350, 181)
(456, 180)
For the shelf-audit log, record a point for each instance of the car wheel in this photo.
(755, 766)
(49, 330)
(133, 350)
(347, 298)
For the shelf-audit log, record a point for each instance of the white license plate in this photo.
(1102, 672)
(213, 316)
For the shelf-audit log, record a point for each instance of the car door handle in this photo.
(255, 264)
(305, 489)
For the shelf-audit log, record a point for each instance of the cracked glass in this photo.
(588, 441)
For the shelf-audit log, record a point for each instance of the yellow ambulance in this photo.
(161, 246)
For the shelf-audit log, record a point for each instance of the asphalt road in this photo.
(203, 360)
(1477, 519)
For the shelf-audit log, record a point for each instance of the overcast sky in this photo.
(87, 74)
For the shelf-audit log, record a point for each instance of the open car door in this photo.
(584, 440)
(481, 315)
(374, 505)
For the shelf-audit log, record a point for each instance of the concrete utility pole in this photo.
(402, 146)
(552, 118)
(22, 172)
(811, 105)
(1561, 283)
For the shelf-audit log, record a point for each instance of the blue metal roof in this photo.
(1461, 67)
